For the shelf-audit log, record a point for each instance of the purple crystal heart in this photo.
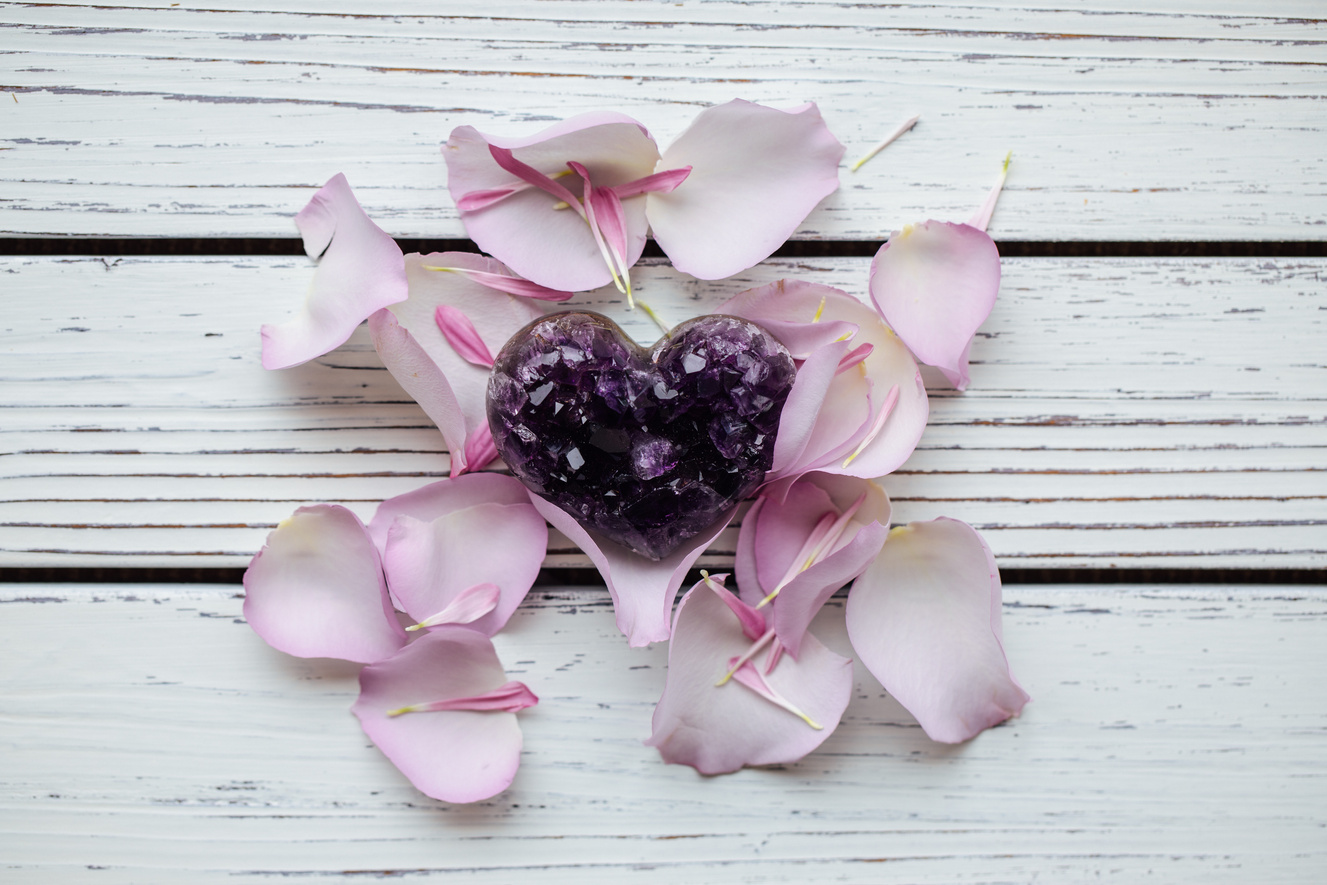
(648, 447)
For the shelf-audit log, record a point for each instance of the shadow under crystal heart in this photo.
(646, 446)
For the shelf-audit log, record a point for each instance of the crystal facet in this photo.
(647, 447)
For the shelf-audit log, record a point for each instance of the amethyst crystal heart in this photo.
(647, 447)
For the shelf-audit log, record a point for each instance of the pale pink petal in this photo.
(359, 272)
(756, 173)
(802, 315)
(449, 388)
(778, 533)
(746, 567)
(844, 418)
(774, 542)
(607, 226)
(612, 221)
(422, 378)
(455, 756)
(462, 336)
(430, 564)
(842, 421)
(799, 602)
(804, 412)
(935, 283)
(316, 589)
(720, 729)
(446, 496)
(925, 619)
(551, 246)
(642, 589)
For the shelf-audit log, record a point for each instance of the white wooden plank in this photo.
(1191, 121)
(1174, 733)
(1123, 413)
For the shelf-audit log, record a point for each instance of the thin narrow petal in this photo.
(462, 336)
(455, 756)
(531, 176)
(720, 729)
(642, 589)
(925, 619)
(981, 219)
(935, 283)
(660, 182)
(752, 621)
(886, 141)
(512, 285)
(507, 698)
(749, 676)
(854, 358)
(316, 589)
(466, 607)
(359, 272)
(553, 247)
(431, 564)
(756, 173)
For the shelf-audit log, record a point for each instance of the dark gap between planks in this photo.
(588, 576)
(799, 249)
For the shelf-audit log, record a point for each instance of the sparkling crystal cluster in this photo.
(645, 447)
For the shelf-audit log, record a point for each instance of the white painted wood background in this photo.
(1125, 413)
(1182, 119)
(1122, 413)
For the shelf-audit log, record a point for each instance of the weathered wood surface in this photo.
(1128, 120)
(1175, 734)
(1123, 413)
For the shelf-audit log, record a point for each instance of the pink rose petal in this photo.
(523, 228)
(717, 729)
(444, 497)
(642, 589)
(429, 564)
(935, 283)
(316, 589)
(773, 549)
(449, 387)
(840, 420)
(925, 619)
(756, 173)
(359, 272)
(457, 755)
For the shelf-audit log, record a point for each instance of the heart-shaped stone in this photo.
(648, 447)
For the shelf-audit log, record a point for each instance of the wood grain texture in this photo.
(1175, 734)
(1123, 413)
(1127, 120)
